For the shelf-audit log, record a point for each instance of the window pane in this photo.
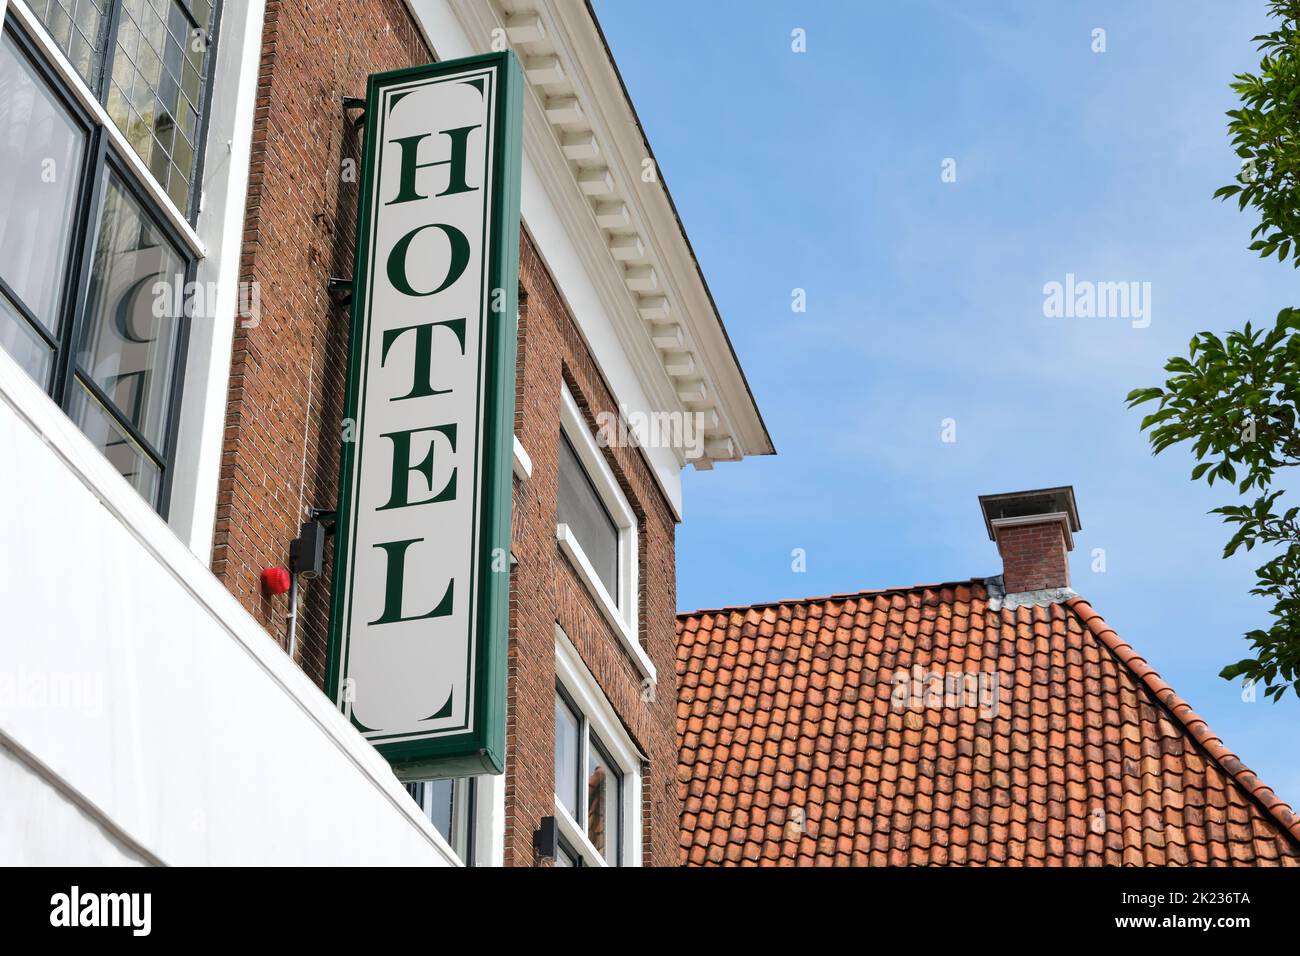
(128, 350)
(155, 94)
(78, 27)
(416, 790)
(19, 340)
(564, 858)
(567, 731)
(41, 152)
(127, 457)
(449, 806)
(602, 802)
(579, 506)
(435, 800)
(438, 802)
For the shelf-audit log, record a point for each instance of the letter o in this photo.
(397, 258)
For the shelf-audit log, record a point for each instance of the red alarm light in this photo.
(275, 580)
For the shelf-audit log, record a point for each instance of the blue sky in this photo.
(821, 171)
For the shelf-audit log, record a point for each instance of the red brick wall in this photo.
(283, 415)
(284, 411)
(1033, 557)
(546, 590)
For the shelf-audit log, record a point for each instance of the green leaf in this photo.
(1251, 376)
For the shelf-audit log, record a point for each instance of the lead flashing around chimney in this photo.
(998, 599)
(995, 524)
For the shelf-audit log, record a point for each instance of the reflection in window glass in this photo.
(578, 505)
(567, 742)
(78, 27)
(127, 457)
(43, 151)
(602, 802)
(19, 340)
(125, 348)
(564, 857)
(449, 805)
(440, 805)
(434, 798)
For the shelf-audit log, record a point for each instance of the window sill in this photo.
(523, 465)
(573, 551)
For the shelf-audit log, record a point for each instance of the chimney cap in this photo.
(1028, 504)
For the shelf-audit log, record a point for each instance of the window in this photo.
(151, 78)
(587, 783)
(568, 750)
(597, 528)
(604, 793)
(101, 155)
(449, 805)
(579, 506)
(597, 771)
(37, 133)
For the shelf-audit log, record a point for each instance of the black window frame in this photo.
(99, 160)
(579, 861)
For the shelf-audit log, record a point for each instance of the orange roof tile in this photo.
(920, 726)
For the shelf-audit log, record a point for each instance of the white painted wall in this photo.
(48, 826)
(177, 729)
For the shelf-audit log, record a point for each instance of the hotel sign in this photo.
(422, 551)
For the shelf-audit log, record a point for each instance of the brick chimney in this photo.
(1034, 531)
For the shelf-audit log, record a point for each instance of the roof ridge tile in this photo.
(964, 583)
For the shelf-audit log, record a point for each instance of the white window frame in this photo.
(623, 614)
(490, 821)
(580, 686)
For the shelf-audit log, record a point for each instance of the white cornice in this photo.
(582, 136)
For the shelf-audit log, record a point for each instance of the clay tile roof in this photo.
(920, 726)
